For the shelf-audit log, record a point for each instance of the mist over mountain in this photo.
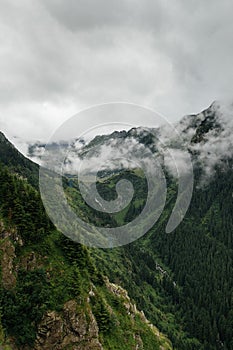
(207, 136)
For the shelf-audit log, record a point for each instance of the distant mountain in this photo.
(207, 136)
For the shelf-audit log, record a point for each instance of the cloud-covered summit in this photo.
(207, 137)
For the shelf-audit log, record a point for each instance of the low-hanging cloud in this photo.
(168, 146)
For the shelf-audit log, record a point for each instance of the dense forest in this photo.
(184, 280)
(191, 270)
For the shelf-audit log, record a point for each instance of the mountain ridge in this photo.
(207, 134)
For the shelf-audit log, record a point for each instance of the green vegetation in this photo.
(23, 307)
(17, 163)
(184, 280)
(51, 270)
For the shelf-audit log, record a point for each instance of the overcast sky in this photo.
(60, 56)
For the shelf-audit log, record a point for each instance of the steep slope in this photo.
(16, 162)
(52, 295)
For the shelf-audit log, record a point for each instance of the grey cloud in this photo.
(86, 14)
(89, 14)
(174, 56)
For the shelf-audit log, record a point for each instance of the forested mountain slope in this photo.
(191, 269)
(52, 295)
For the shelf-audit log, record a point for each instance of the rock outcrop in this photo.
(70, 329)
(7, 255)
